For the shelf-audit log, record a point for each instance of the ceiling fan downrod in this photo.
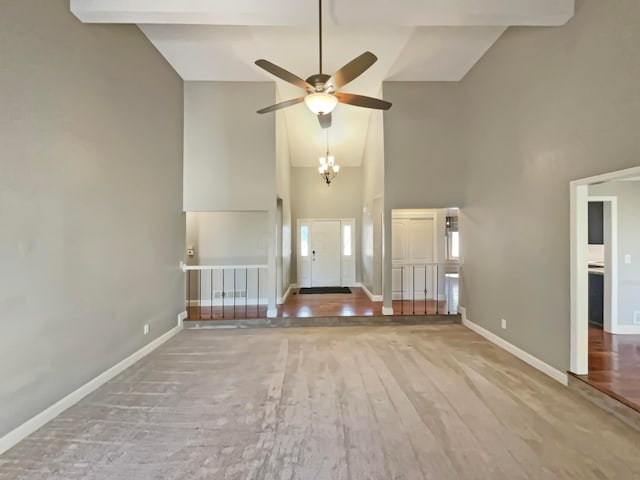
(320, 32)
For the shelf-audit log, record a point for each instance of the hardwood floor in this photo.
(348, 403)
(357, 303)
(614, 366)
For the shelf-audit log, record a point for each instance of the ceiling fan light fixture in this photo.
(320, 103)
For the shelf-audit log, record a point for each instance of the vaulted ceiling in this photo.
(427, 40)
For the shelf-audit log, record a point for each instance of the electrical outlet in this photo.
(636, 317)
(627, 259)
(504, 323)
(146, 329)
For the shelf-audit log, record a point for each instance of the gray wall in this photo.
(424, 139)
(229, 150)
(227, 238)
(230, 153)
(92, 228)
(545, 106)
(628, 195)
(311, 198)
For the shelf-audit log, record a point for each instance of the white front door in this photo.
(325, 253)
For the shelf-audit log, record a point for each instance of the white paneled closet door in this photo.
(412, 247)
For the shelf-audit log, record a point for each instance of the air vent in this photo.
(230, 294)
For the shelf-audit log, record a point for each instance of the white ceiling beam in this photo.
(337, 12)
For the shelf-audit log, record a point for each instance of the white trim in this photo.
(27, 428)
(272, 313)
(579, 275)
(228, 302)
(610, 225)
(387, 310)
(287, 292)
(306, 262)
(579, 336)
(513, 350)
(448, 263)
(627, 330)
(222, 267)
(417, 214)
(182, 316)
(409, 213)
(419, 298)
(605, 177)
(372, 297)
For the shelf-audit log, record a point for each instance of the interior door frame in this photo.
(417, 214)
(579, 259)
(301, 261)
(610, 222)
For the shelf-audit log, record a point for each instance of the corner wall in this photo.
(230, 154)
(424, 156)
(545, 106)
(92, 229)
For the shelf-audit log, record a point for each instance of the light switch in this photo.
(627, 259)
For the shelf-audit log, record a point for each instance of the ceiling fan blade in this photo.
(325, 120)
(283, 74)
(351, 70)
(281, 105)
(362, 101)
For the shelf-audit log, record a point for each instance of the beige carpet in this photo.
(433, 402)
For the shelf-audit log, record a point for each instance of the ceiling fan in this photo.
(322, 96)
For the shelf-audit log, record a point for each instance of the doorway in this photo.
(326, 252)
(413, 247)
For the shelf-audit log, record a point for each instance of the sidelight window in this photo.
(346, 240)
(304, 241)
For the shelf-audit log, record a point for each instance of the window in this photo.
(453, 244)
(346, 240)
(304, 241)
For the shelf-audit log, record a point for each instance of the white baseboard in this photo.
(283, 299)
(397, 296)
(387, 310)
(626, 330)
(182, 316)
(513, 350)
(272, 312)
(372, 297)
(217, 302)
(20, 433)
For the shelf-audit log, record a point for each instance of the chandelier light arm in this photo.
(328, 168)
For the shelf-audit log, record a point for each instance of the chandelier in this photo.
(328, 168)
